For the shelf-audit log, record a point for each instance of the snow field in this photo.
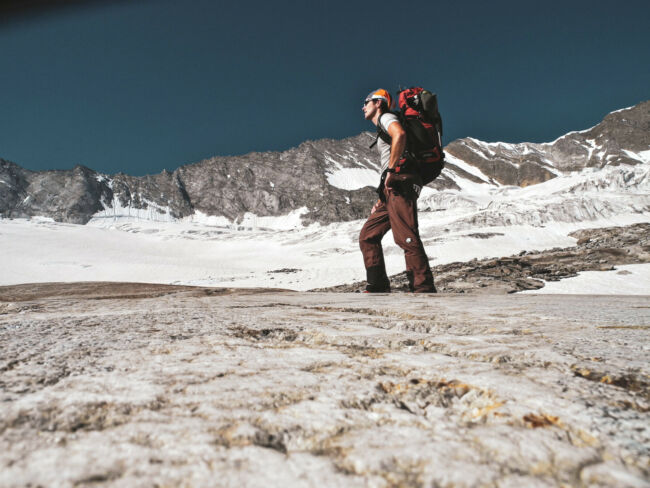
(196, 254)
(481, 220)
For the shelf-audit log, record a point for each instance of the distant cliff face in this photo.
(332, 179)
(66, 196)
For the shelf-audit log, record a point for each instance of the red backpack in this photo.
(420, 118)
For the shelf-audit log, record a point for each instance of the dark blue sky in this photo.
(142, 86)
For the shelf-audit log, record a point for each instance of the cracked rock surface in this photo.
(106, 384)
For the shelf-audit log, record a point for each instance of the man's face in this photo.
(370, 108)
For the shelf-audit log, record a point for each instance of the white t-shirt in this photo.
(383, 147)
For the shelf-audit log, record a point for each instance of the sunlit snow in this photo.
(148, 245)
(631, 279)
(353, 178)
(643, 156)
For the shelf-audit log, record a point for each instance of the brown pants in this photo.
(400, 213)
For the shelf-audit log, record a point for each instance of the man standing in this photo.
(396, 208)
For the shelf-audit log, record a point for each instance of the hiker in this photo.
(396, 207)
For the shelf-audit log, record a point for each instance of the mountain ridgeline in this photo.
(319, 176)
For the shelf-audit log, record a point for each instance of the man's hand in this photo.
(375, 207)
(388, 182)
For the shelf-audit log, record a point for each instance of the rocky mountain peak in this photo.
(621, 138)
(325, 180)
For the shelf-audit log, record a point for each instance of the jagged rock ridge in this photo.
(271, 183)
(617, 140)
(309, 177)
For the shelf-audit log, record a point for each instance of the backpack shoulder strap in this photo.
(381, 133)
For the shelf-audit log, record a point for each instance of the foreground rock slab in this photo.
(111, 384)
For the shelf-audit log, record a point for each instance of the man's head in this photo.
(376, 103)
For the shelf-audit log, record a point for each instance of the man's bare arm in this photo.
(398, 143)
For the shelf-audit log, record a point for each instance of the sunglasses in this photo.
(367, 102)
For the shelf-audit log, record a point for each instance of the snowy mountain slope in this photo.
(332, 180)
(583, 196)
(264, 184)
(623, 137)
(292, 219)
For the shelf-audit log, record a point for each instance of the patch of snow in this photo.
(467, 186)
(551, 167)
(568, 134)
(334, 164)
(293, 220)
(643, 156)
(114, 211)
(353, 178)
(592, 147)
(632, 279)
(481, 148)
(621, 110)
(249, 221)
(209, 220)
(42, 220)
(473, 170)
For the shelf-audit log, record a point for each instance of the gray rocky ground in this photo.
(105, 384)
(595, 250)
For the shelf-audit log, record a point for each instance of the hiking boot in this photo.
(376, 290)
(377, 281)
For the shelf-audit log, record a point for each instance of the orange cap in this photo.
(381, 94)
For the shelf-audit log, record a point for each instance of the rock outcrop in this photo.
(66, 196)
